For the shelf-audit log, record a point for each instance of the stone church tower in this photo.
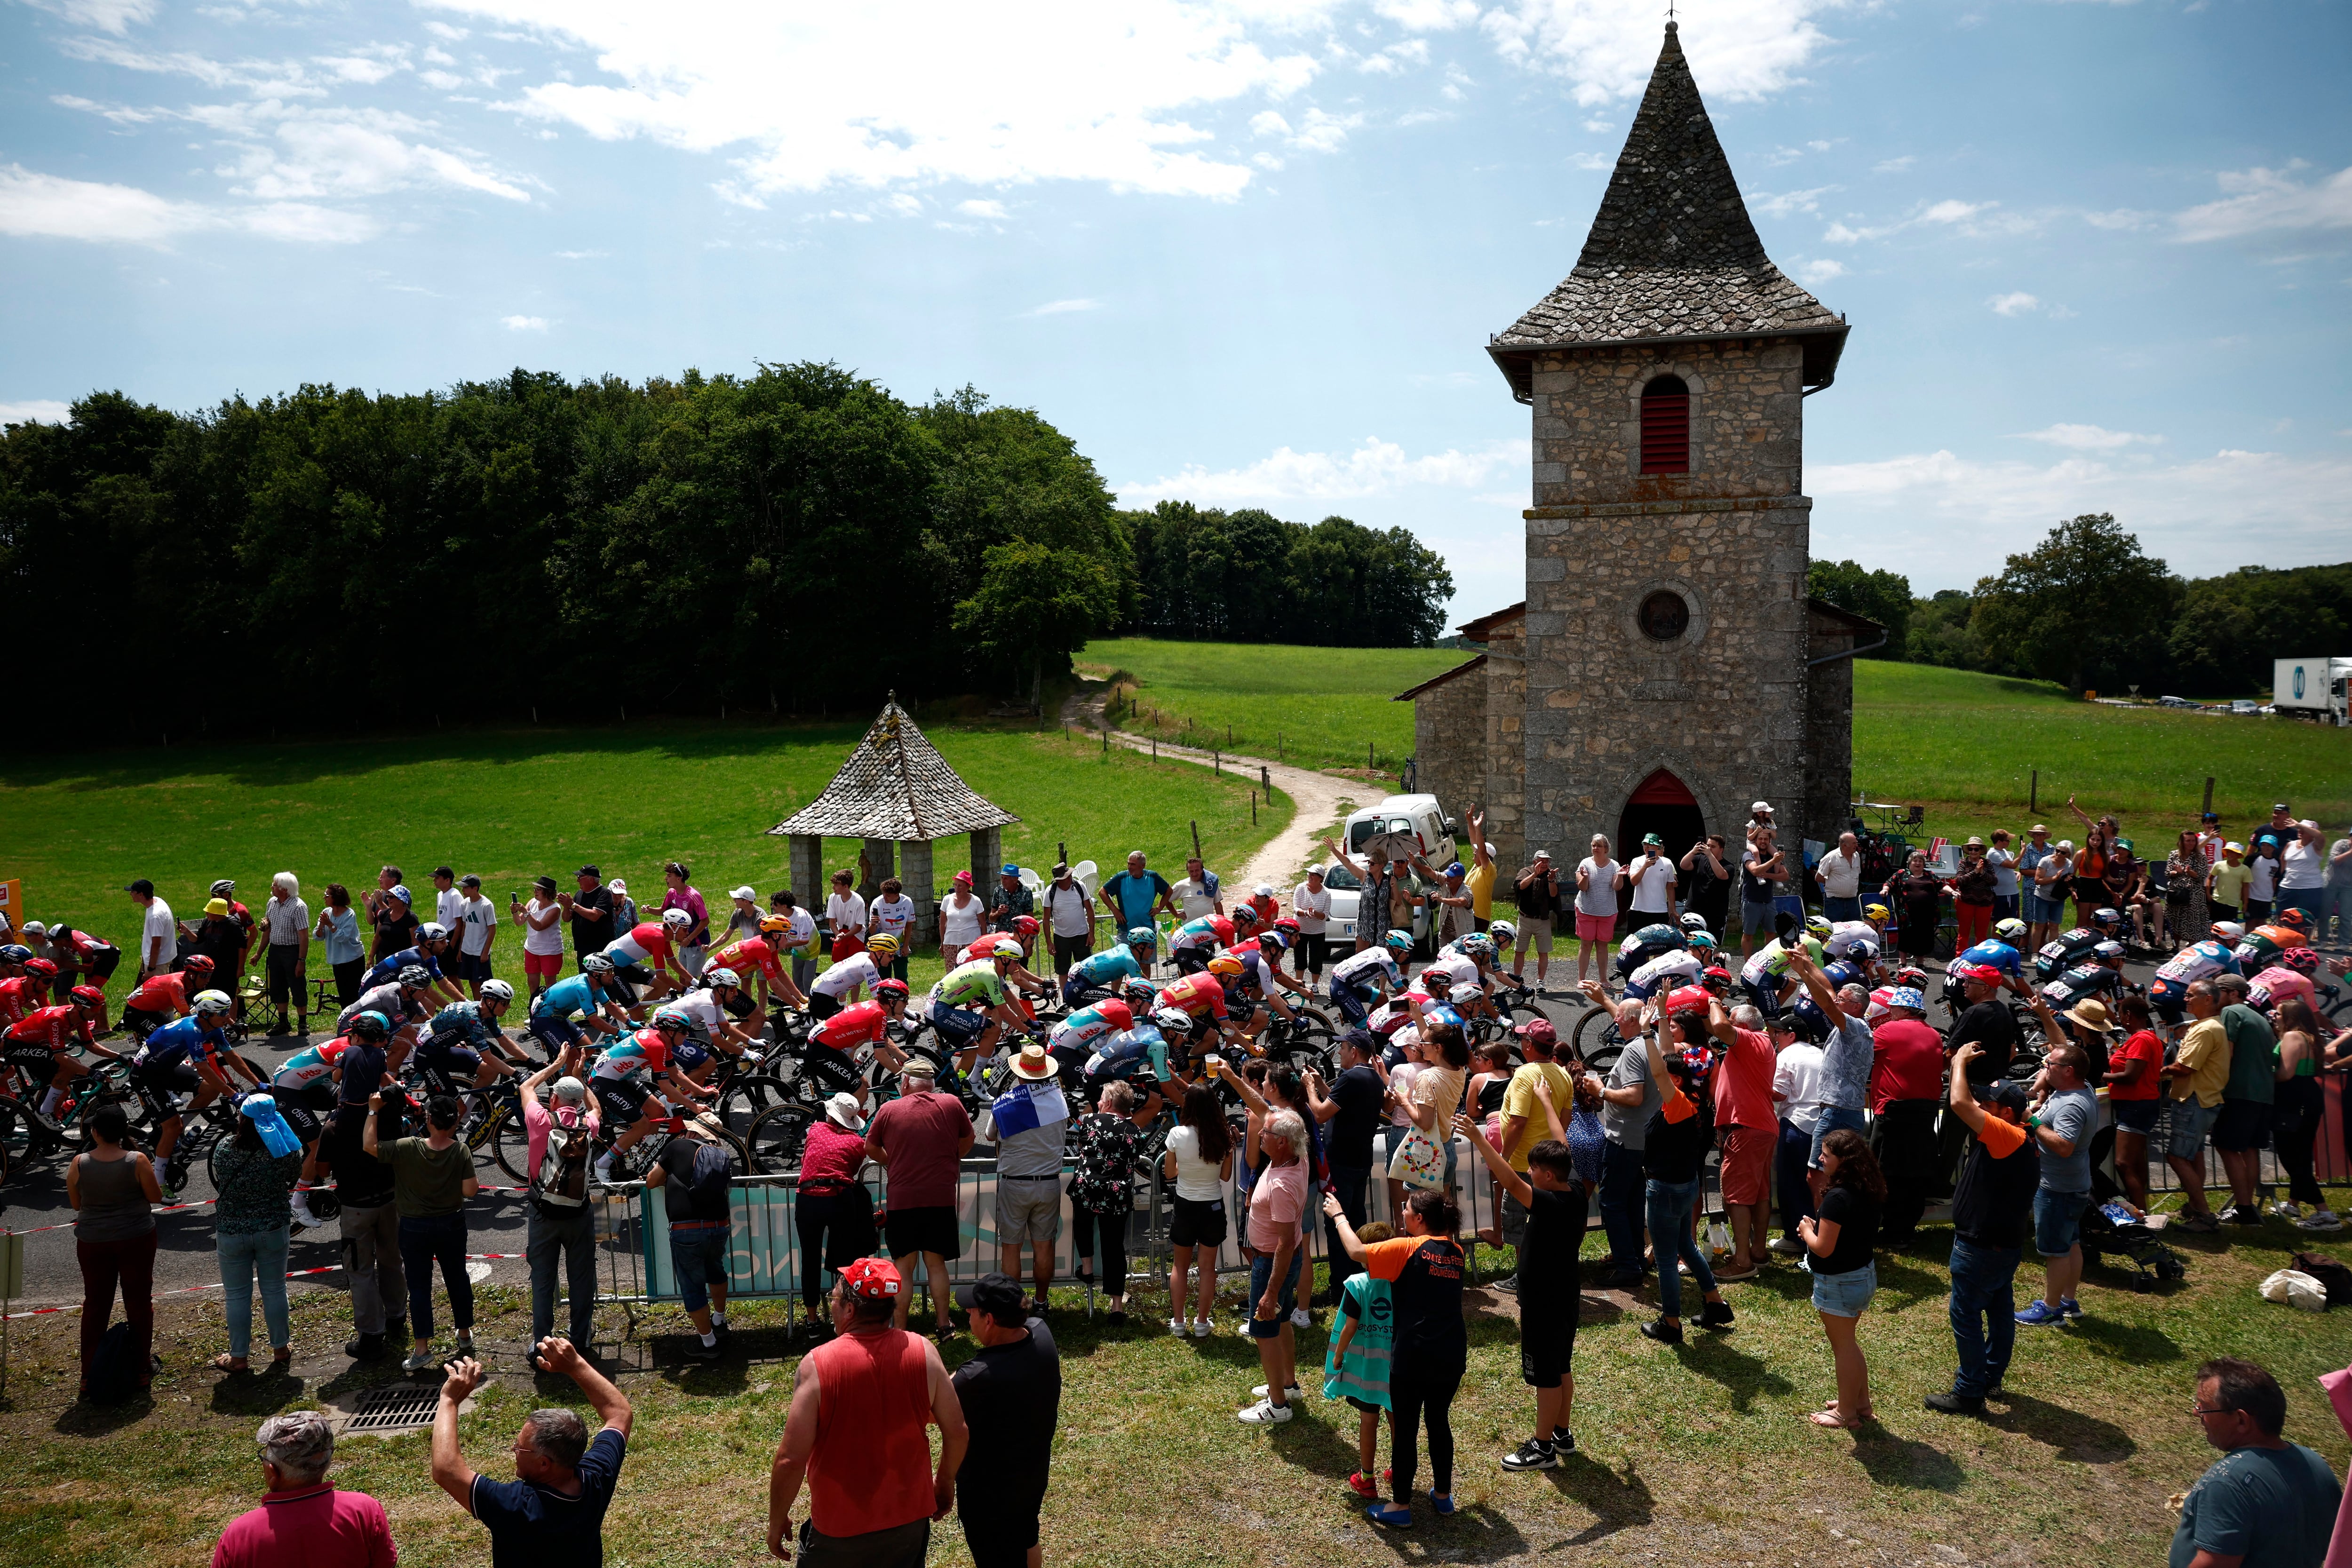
(1672, 667)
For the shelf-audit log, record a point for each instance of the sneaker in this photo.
(171, 1194)
(1955, 1404)
(1531, 1454)
(1786, 1246)
(2320, 1219)
(465, 1342)
(1664, 1333)
(1363, 1486)
(363, 1347)
(1563, 1444)
(1728, 1276)
(1715, 1315)
(1265, 1412)
(2198, 1224)
(1176, 1327)
(1260, 1391)
(1300, 1319)
(2041, 1315)
(698, 1351)
(1201, 1327)
(302, 1215)
(2287, 1210)
(423, 1360)
(2248, 1214)
(1508, 1285)
(2071, 1307)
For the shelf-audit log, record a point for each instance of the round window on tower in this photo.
(1665, 616)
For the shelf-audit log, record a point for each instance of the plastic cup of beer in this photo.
(1209, 1060)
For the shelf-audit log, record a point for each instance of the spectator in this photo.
(1916, 895)
(2067, 1116)
(1070, 914)
(1553, 1199)
(477, 931)
(833, 1209)
(1998, 1180)
(1030, 1122)
(2266, 1500)
(2299, 1111)
(368, 1221)
(2227, 886)
(1351, 1115)
(1481, 878)
(742, 916)
(446, 898)
(590, 910)
(1762, 873)
(845, 914)
(624, 908)
(1674, 1161)
(1845, 1277)
(1524, 1123)
(2043, 868)
(1840, 874)
(338, 928)
(1907, 1086)
(1706, 883)
(1278, 1239)
(1437, 1088)
(864, 1449)
(561, 1223)
(2244, 1125)
(1199, 1161)
(287, 920)
(552, 1512)
(1010, 899)
(892, 913)
(2186, 922)
(304, 1523)
(2003, 861)
(112, 1188)
(1011, 1395)
(1424, 1271)
(1138, 893)
(1972, 888)
(2261, 879)
(1745, 1132)
(220, 938)
(920, 1139)
(395, 922)
(2272, 837)
(2134, 1085)
(252, 1224)
(543, 936)
(1847, 1055)
(800, 938)
(1797, 1101)
(1650, 878)
(2333, 926)
(1198, 894)
(1310, 906)
(1449, 904)
(696, 1178)
(1596, 907)
(963, 916)
(432, 1177)
(2090, 888)
(2302, 876)
(1538, 901)
(2198, 1070)
(1630, 1099)
(678, 892)
(1102, 1194)
(159, 934)
(1356, 1364)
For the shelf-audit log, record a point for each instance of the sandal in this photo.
(231, 1364)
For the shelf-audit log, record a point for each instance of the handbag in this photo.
(1417, 1161)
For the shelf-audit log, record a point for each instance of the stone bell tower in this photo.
(1669, 642)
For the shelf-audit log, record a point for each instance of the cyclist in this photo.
(1201, 998)
(1667, 971)
(463, 1044)
(2289, 975)
(712, 1008)
(26, 992)
(78, 953)
(1144, 946)
(1078, 1036)
(2168, 994)
(44, 1041)
(645, 956)
(829, 1060)
(432, 941)
(304, 1087)
(402, 998)
(1766, 977)
(630, 1104)
(846, 978)
(977, 985)
(763, 958)
(13, 956)
(160, 998)
(1646, 944)
(1135, 1056)
(550, 1011)
(188, 1056)
(1196, 941)
(2070, 947)
(1106, 970)
(1369, 976)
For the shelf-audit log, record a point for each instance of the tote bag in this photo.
(1417, 1161)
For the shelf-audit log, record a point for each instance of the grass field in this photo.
(1963, 744)
(1697, 1455)
(512, 806)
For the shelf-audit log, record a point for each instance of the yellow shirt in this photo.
(1480, 880)
(1520, 1100)
(2205, 1049)
(2230, 884)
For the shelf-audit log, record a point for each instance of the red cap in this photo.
(875, 1279)
(1688, 999)
(1538, 1031)
(1984, 972)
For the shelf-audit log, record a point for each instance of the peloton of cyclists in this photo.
(432, 941)
(631, 1104)
(831, 1060)
(551, 1010)
(160, 998)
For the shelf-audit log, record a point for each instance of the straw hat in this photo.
(2092, 1015)
(1034, 1062)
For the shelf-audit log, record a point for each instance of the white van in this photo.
(1415, 821)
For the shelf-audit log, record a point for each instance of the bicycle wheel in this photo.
(15, 1137)
(1596, 1040)
(749, 1096)
(777, 1140)
(510, 1146)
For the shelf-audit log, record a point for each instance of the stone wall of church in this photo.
(1505, 791)
(1747, 422)
(1449, 742)
(1829, 734)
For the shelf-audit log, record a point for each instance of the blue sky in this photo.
(2097, 256)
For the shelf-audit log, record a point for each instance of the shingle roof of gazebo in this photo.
(896, 785)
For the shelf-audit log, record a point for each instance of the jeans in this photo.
(1352, 1184)
(698, 1254)
(1420, 1392)
(1672, 1206)
(1789, 1160)
(247, 1259)
(424, 1242)
(1621, 1204)
(131, 1263)
(1984, 1314)
(2334, 910)
(570, 1239)
(379, 1285)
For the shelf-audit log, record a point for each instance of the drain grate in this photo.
(396, 1407)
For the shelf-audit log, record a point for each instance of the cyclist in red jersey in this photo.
(1201, 997)
(763, 956)
(45, 1044)
(22, 994)
(160, 998)
(831, 1062)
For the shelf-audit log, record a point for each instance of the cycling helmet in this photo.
(1118, 1012)
(1913, 975)
(1703, 941)
(1244, 920)
(497, 991)
(1817, 928)
(1287, 925)
(1437, 982)
(1139, 989)
(1863, 952)
(1717, 979)
(2106, 920)
(40, 969)
(771, 925)
(224, 887)
(2229, 932)
(722, 975)
(883, 947)
(2010, 931)
(1223, 929)
(1025, 926)
(1687, 1002)
(1503, 933)
(1693, 921)
(1142, 936)
(1225, 966)
(1811, 1022)
(1005, 947)
(673, 1018)
(677, 918)
(595, 964)
(1397, 941)
(1279, 940)
(884, 989)
(369, 1025)
(2108, 949)
(196, 963)
(1877, 913)
(1171, 1020)
(89, 996)
(16, 953)
(2302, 960)
(2292, 919)
(432, 931)
(208, 1003)
(414, 977)
(1478, 944)
(1842, 973)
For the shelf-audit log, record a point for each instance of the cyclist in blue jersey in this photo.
(1142, 946)
(189, 1056)
(550, 1011)
(432, 941)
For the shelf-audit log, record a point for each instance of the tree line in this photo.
(2089, 609)
(1249, 576)
(789, 540)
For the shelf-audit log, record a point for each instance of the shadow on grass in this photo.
(89, 1418)
(1891, 1461)
(260, 1392)
(2136, 1343)
(1619, 1501)
(1743, 1377)
(1903, 1284)
(2084, 1439)
(1319, 1448)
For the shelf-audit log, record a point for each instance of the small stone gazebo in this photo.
(897, 795)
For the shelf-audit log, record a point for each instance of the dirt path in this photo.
(1321, 799)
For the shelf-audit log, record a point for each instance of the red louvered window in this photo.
(1665, 427)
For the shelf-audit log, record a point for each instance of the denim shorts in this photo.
(1261, 1278)
(699, 1256)
(1757, 919)
(1845, 1295)
(2135, 1115)
(2057, 1221)
(2192, 1120)
(2040, 910)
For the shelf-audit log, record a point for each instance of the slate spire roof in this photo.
(1672, 253)
(894, 786)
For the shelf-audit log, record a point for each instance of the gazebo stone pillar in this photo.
(915, 872)
(806, 870)
(987, 859)
(880, 859)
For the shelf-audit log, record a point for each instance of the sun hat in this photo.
(2233, 844)
(618, 886)
(844, 1112)
(2066, 843)
(875, 1279)
(2092, 1015)
(963, 878)
(1034, 1063)
(1543, 854)
(400, 891)
(1907, 996)
(1009, 869)
(1974, 843)
(217, 906)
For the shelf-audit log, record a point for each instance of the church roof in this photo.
(894, 786)
(1483, 627)
(1672, 254)
(1410, 692)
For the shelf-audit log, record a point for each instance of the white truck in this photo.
(2312, 688)
(1400, 822)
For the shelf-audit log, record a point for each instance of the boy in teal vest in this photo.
(1357, 1365)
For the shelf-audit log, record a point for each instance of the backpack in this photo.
(114, 1369)
(561, 1188)
(713, 1177)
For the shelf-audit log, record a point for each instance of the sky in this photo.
(2096, 254)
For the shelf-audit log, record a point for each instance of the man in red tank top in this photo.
(856, 1432)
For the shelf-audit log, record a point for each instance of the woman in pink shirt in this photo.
(1277, 1204)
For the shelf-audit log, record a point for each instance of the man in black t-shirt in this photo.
(590, 910)
(696, 1185)
(1548, 1302)
(552, 1512)
(1351, 1114)
(1988, 1023)
(1010, 1391)
(1992, 1208)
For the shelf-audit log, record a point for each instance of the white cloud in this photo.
(2121, 219)
(1063, 306)
(114, 16)
(1893, 165)
(1396, 57)
(2016, 304)
(45, 410)
(1820, 271)
(1591, 163)
(2088, 437)
(1428, 16)
(283, 151)
(1954, 211)
(524, 324)
(121, 116)
(2262, 200)
(992, 211)
(580, 255)
(1324, 133)
(47, 206)
(1975, 219)
(1789, 202)
(1267, 123)
(1377, 467)
(1605, 49)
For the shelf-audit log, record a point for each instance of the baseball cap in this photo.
(1763, 805)
(998, 1295)
(2212, 816)
(875, 1279)
(1648, 838)
(1543, 854)
(1984, 972)
(570, 1090)
(752, 894)
(2279, 807)
(400, 891)
(1538, 1031)
(2233, 844)
(1456, 870)
(469, 880)
(143, 887)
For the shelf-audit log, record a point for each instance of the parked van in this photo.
(1402, 823)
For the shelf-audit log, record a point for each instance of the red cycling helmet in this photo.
(197, 965)
(1685, 999)
(1287, 925)
(889, 988)
(1025, 926)
(40, 969)
(89, 995)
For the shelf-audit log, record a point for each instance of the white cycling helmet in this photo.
(433, 930)
(209, 1003)
(497, 991)
(722, 976)
(677, 918)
